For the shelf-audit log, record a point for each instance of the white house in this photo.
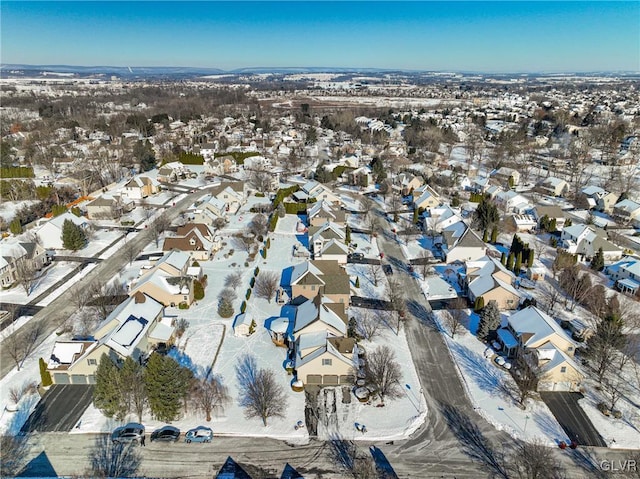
(50, 233)
(585, 240)
(460, 243)
(555, 186)
(626, 274)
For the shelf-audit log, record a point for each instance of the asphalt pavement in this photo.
(572, 418)
(60, 408)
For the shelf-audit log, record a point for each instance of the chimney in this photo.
(139, 297)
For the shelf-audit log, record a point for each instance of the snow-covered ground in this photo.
(8, 209)
(49, 276)
(488, 388)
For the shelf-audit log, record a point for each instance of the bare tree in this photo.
(228, 294)
(104, 297)
(110, 459)
(384, 372)
(267, 284)
(369, 325)
(527, 376)
(551, 296)
(209, 395)
(85, 322)
(14, 451)
(130, 251)
(397, 299)
(245, 242)
(260, 179)
(22, 343)
(261, 395)
(375, 273)
(354, 463)
(455, 316)
(603, 346)
(233, 280)
(157, 227)
(259, 225)
(26, 274)
(535, 460)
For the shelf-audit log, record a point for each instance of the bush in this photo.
(183, 305)
(248, 295)
(198, 290)
(243, 307)
(259, 195)
(252, 282)
(127, 222)
(263, 253)
(190, 158)
(256, 271)
(273, 222)
(17, 172)
(268, 243)
(45, 376)
(225, 308)
(295, 208)
(195, 263)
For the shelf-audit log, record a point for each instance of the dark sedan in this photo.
(166, 434)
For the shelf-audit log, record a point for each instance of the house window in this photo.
(313, 287)
(92, 362)
(326, 362)
(570, 348)
(563, 369)
(186, 298)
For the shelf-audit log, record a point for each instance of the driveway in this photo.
(60, 408)
(572, 418)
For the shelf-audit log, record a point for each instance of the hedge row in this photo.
(16, 172)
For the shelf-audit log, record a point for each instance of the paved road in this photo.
(62, 307)
(60, 408)
(572, 418)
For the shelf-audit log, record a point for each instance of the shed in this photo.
(242, 325)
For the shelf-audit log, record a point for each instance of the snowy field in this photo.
(488, 389)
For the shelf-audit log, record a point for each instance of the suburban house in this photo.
(436, 219)
(627, 211)
(322, 212)
(487, 278)
(480, 184)
(425, 198)
(320, 314)
(512, 202)
(523, 223)
(170, 172)
(140, 187)
(545, 346)
(554, 186)
(195, 239)
(15, 253)
(50, 233)
(168, 281)
(360, 176)
(220, 165)
(209, 211)
(460, 243)
(585, 240)
(109, 207)
(133, 330)
(328, 242)
(407, 182)
(552, 213)
(325, 361)
(317, 191)
(319, 276)
(508, 176)
(626, 274)
(231, 194)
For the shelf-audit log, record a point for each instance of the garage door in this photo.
(78, 379)
(314, 379)
(330, 380)
(346, 379)
(562, 386)
(60, 378)
(92, 379)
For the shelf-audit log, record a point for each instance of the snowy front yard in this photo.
(489, 386)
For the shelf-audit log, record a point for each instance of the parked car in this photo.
(129, 433)
(166, 434)
(199, 434)
(356, 256)
(387, 269)
(499, 360)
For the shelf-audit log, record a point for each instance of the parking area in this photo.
(571, 417)
(60, 408)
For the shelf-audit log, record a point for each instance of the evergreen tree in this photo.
(486, 214)
(503, 259)
(73, 236)
(485, 236)
(15, 226)
(489, 320)
(352, 330)
(45, 376)
(510, 262)
(568, 222)
(252, 326)
(479, 304)
(347, 235)
(167, 384)
(143, 152)
(553, 225)
(494, 235)
(518, 266)
(357, 281)
(416, 216)
(597, 262)
(531, 258)
(225, 306)
(107, 394)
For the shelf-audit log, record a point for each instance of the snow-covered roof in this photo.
(326, 348)
(535, 324)
(64, 352)
(163, 280)
(59, 220)
(316, 310)
(163, 330)
(279, 325)
(507, 338)
(175, 258)
(311, 340)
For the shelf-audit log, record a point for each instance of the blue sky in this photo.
(464, 36)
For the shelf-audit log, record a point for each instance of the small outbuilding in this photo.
(242, 325)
